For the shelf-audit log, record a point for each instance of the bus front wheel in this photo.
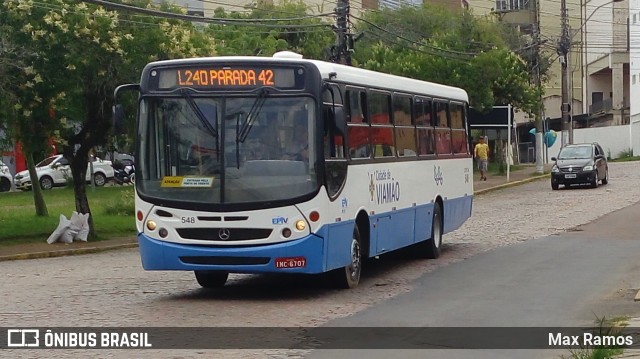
(211, 279)
(349, 276)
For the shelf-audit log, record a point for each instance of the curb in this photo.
(511, 184)
(66, 252)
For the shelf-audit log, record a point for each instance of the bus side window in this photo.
(424, 126)
(404, 129)
(458, 131)
(381, 127)
(334, 142)
(357, 124)
(443, 132)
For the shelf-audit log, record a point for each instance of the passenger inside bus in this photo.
(297, 148)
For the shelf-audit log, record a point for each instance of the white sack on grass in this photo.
(80, 225)
(63, 226)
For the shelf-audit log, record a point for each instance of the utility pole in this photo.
(564, 45)
(538, 80)
(344, 40)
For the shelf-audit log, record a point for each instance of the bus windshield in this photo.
(214, 150)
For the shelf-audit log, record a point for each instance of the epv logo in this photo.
(23, 338)
(279, 220)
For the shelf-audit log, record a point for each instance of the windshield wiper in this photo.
(238, 116)
(242, 135)
(203, 119)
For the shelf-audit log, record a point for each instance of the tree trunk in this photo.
(79, 173)
(38, 198)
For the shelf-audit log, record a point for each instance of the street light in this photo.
(564, 46)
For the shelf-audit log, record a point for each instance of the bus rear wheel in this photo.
(430, 248)
(211, 279)
(349, 276)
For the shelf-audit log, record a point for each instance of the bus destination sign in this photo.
(228, 77)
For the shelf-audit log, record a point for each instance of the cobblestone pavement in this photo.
(111, 289)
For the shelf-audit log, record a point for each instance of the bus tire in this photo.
(349, 277)
(431, 247)
(211, 279)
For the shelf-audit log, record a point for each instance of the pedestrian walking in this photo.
(481, 153)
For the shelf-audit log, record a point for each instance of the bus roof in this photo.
(344, 74)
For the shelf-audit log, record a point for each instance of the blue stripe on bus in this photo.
(329, 249)
(159, 255)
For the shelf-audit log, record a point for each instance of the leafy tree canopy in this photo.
(455, 48)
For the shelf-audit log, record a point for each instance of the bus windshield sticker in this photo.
(186, 182)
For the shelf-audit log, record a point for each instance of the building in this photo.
(634, 70)
(606, 50)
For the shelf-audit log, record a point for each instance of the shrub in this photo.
(626, 153)
(123, 207)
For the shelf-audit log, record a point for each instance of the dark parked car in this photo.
(578, 164)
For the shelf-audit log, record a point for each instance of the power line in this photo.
(415, 42)
(219, 21)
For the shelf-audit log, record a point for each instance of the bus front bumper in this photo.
(305, 255)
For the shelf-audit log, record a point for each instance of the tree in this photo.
(455, 48)
(30, 94)
(309, 35)
(85, 52)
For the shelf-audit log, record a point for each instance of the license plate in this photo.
(291, 262)
(570, 176)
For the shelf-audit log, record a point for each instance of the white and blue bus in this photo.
(287, 165)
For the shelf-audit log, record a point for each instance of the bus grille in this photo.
(225, 260)
(224, 234)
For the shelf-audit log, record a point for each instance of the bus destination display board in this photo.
(229, 77)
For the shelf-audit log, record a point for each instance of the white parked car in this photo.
(5, 178)
(54, 171)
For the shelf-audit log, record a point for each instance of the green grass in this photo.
(112, 210)
(626, 159)
(606, 327)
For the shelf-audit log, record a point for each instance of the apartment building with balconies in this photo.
(605, 53)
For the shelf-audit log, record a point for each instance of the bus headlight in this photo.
(151, 225)
(300, 225)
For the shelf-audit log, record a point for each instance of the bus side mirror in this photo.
(340, 120)
(118, 119)
(118, 112)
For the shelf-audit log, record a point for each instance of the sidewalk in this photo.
(44, 250)
(495, 182)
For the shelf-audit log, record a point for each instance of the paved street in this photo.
(567, 280)
(111, 289)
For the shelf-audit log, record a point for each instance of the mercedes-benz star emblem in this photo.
(224, 234)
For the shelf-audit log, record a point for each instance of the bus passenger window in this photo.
(404, 130)
(426, 141)
(357, 126)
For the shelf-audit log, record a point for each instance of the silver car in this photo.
(55, 170)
